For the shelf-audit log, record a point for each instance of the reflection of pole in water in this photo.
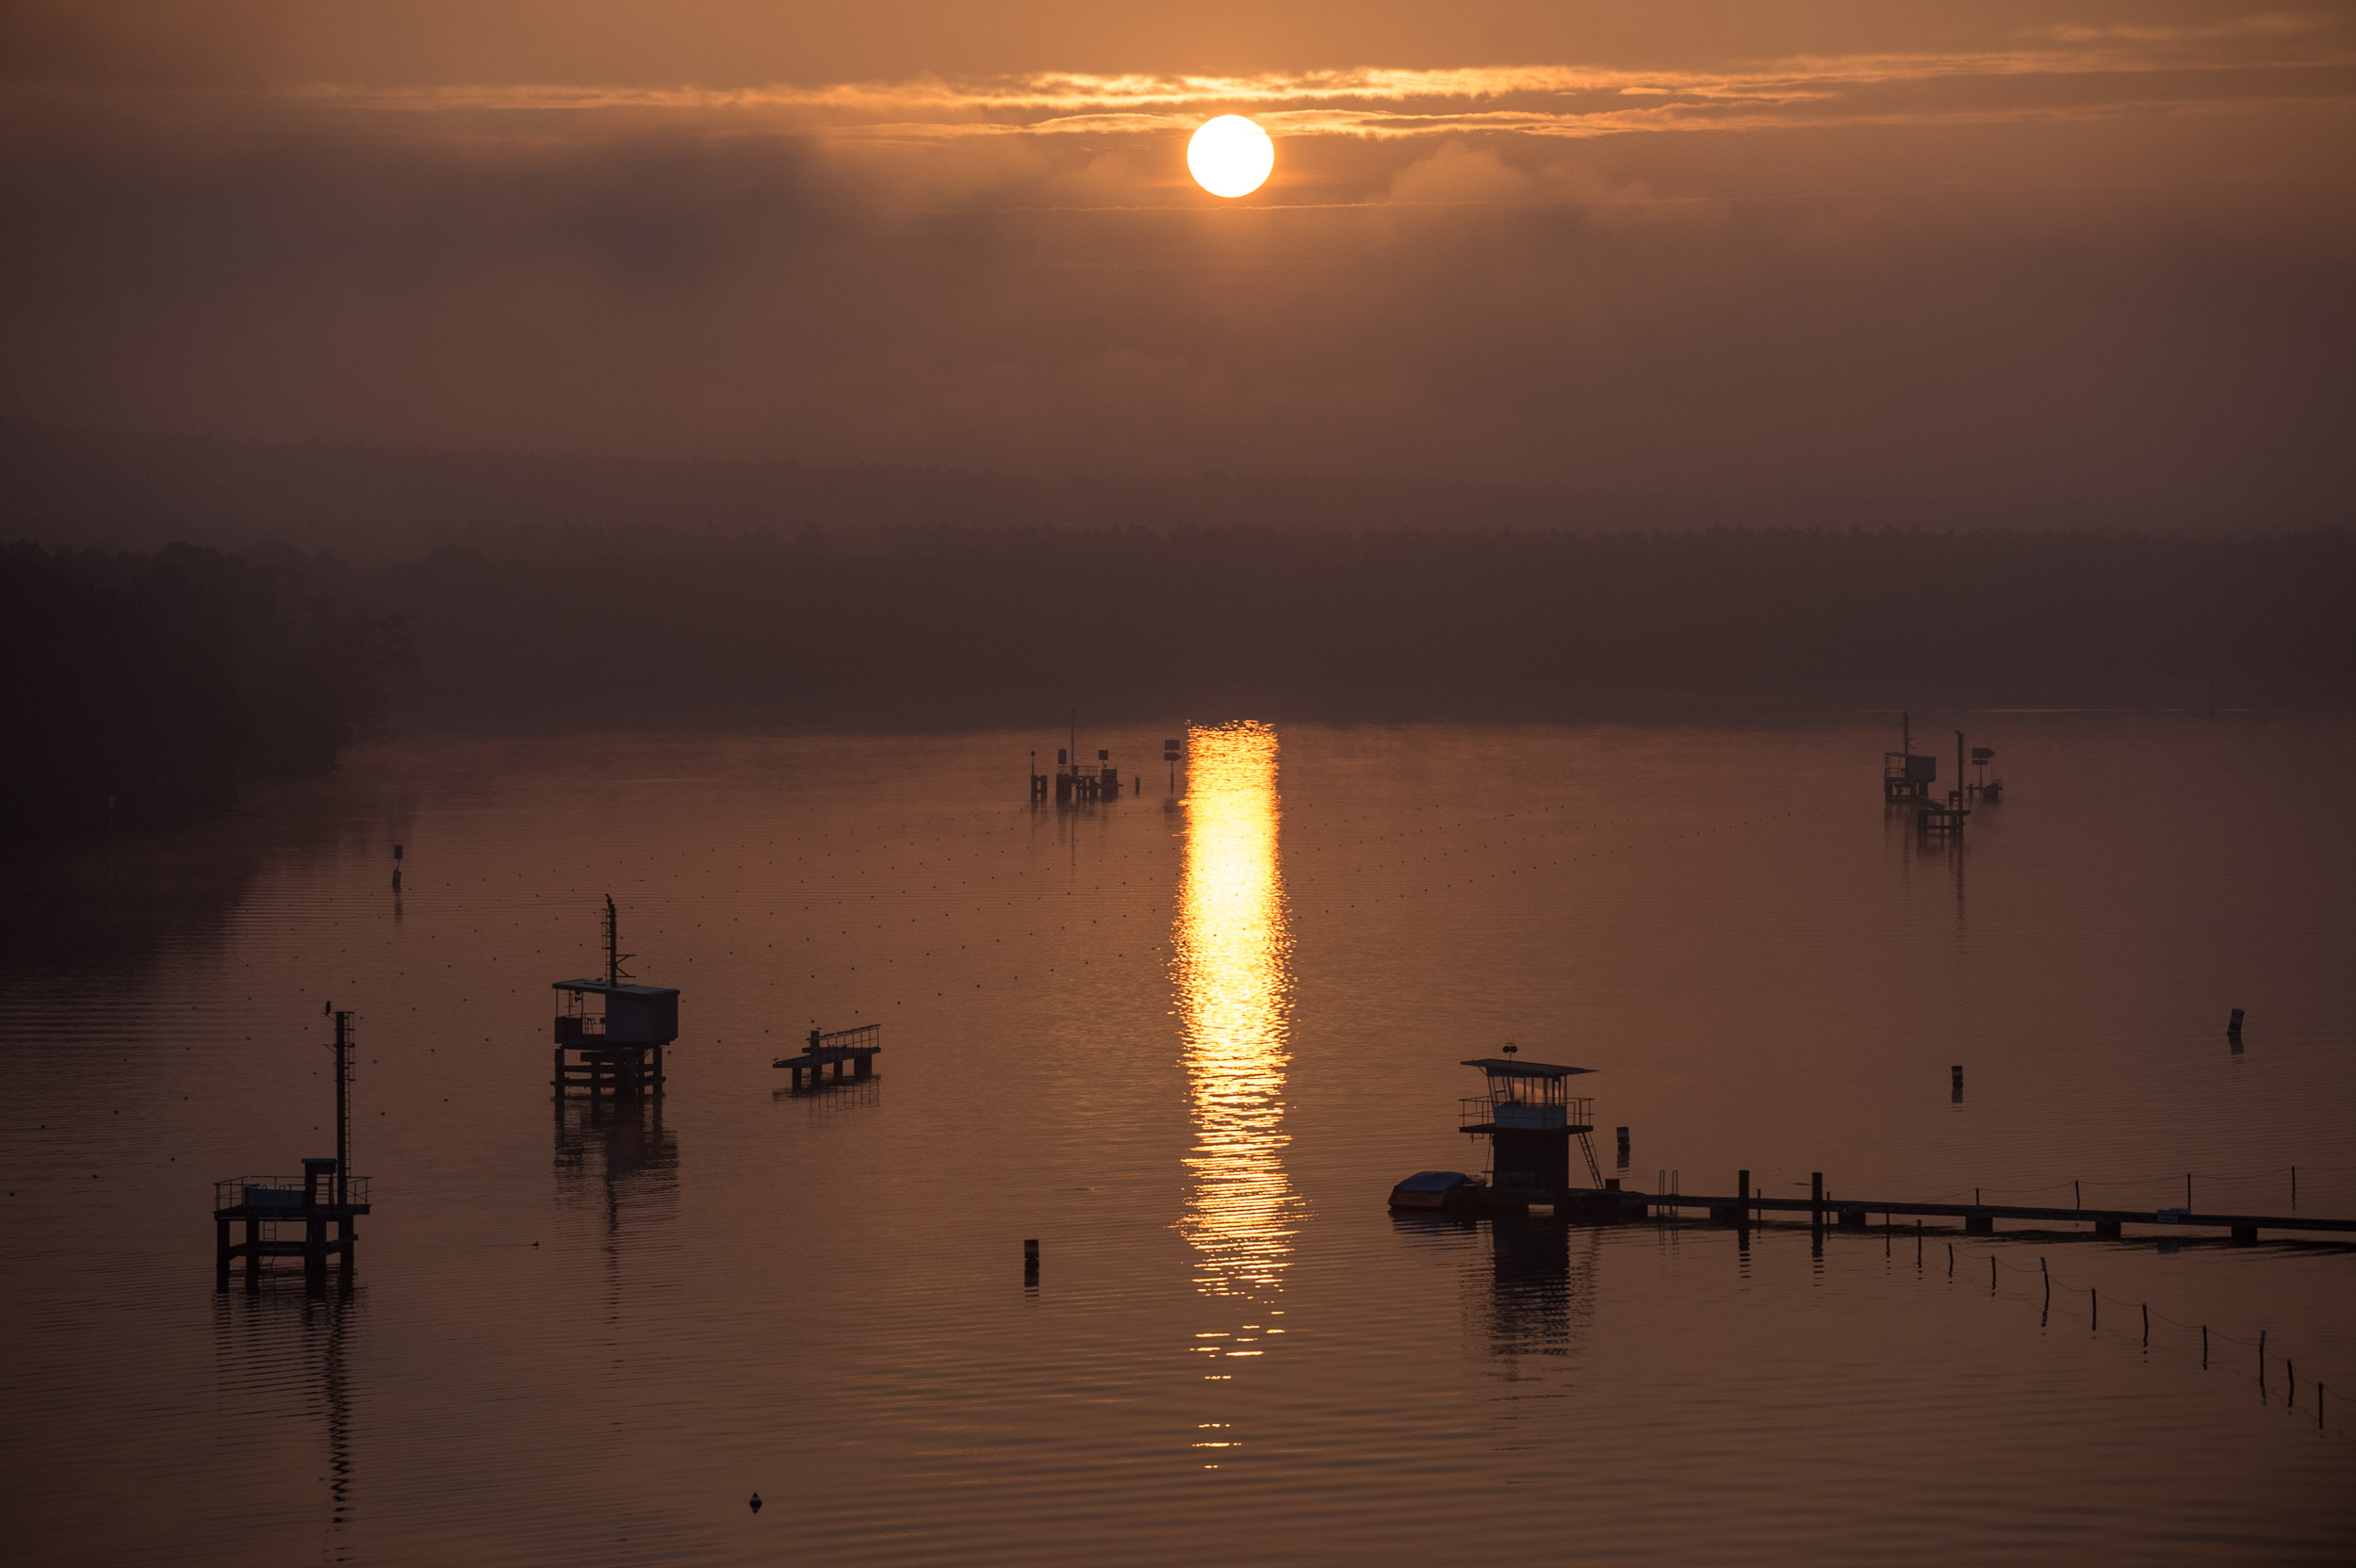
(334, 1383)
(258, 1338)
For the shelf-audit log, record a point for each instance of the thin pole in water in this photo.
(2077, 1199)
(1991, 1273)
(1951, 1260)
(2094, 1308)
(2205, 1346)
(2147, 1323)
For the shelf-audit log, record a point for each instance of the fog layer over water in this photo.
(1188, 1041)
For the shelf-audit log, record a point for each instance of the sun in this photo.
(1230, 155)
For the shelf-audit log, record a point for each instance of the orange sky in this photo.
(2029, 251)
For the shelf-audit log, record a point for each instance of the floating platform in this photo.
(849, 1053)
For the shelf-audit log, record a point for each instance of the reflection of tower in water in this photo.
(1235, 992)
(1540, 1300)
(618, 1155)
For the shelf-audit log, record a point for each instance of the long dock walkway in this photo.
(1978, 1219)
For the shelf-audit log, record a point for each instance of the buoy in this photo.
(756, 1502)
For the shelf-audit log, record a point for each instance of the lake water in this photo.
(1188, 1040)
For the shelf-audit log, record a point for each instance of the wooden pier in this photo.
(846, 1053)
(1856, 1212)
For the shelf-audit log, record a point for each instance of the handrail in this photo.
(238, 1192)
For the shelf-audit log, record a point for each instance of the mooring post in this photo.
(1918, 1246)
(2094, 1308)
(2188, 1189)
(2147, 1322)
(2046, 1275)
(1991, 1273)
(2262, 1361)
(2205, 1346)
(2077, 1199)
(2294, 1187)
(1816, 1200)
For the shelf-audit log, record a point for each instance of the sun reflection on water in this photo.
(1235, 989)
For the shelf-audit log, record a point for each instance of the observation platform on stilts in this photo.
(849, 1053)
(610, 1033)
(269, 1206)
(264, 1205)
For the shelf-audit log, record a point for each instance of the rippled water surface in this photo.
(1188, 1041)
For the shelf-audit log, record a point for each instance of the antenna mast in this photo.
(614, 974)
(342, 1048)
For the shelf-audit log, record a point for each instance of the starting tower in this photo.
(610, 1033)
(1530, 1118)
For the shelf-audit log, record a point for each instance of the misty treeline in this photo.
(166, 682)
(959, 626)
(150, 688)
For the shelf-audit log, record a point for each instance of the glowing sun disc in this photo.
(1230, 155)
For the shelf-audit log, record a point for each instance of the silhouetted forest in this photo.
(959, 626)
(150, 688)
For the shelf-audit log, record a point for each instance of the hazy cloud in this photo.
(2110, 266)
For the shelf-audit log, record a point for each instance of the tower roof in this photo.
(610, 988)
(1514, 1066)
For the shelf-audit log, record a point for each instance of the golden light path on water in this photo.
(1232, 969)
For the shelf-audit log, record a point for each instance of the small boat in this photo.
(1433, 1189)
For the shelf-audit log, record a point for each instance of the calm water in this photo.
(1188, 1043)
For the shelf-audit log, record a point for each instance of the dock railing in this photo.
(277, 1194)
(1481, 1110)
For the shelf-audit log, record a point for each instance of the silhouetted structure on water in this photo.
(849, 1053)
(611, 1033)
(327, 1194)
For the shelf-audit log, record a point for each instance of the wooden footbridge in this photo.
(850, 1053)
(1978, 1219)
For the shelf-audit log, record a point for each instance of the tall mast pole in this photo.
(343, 1105)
